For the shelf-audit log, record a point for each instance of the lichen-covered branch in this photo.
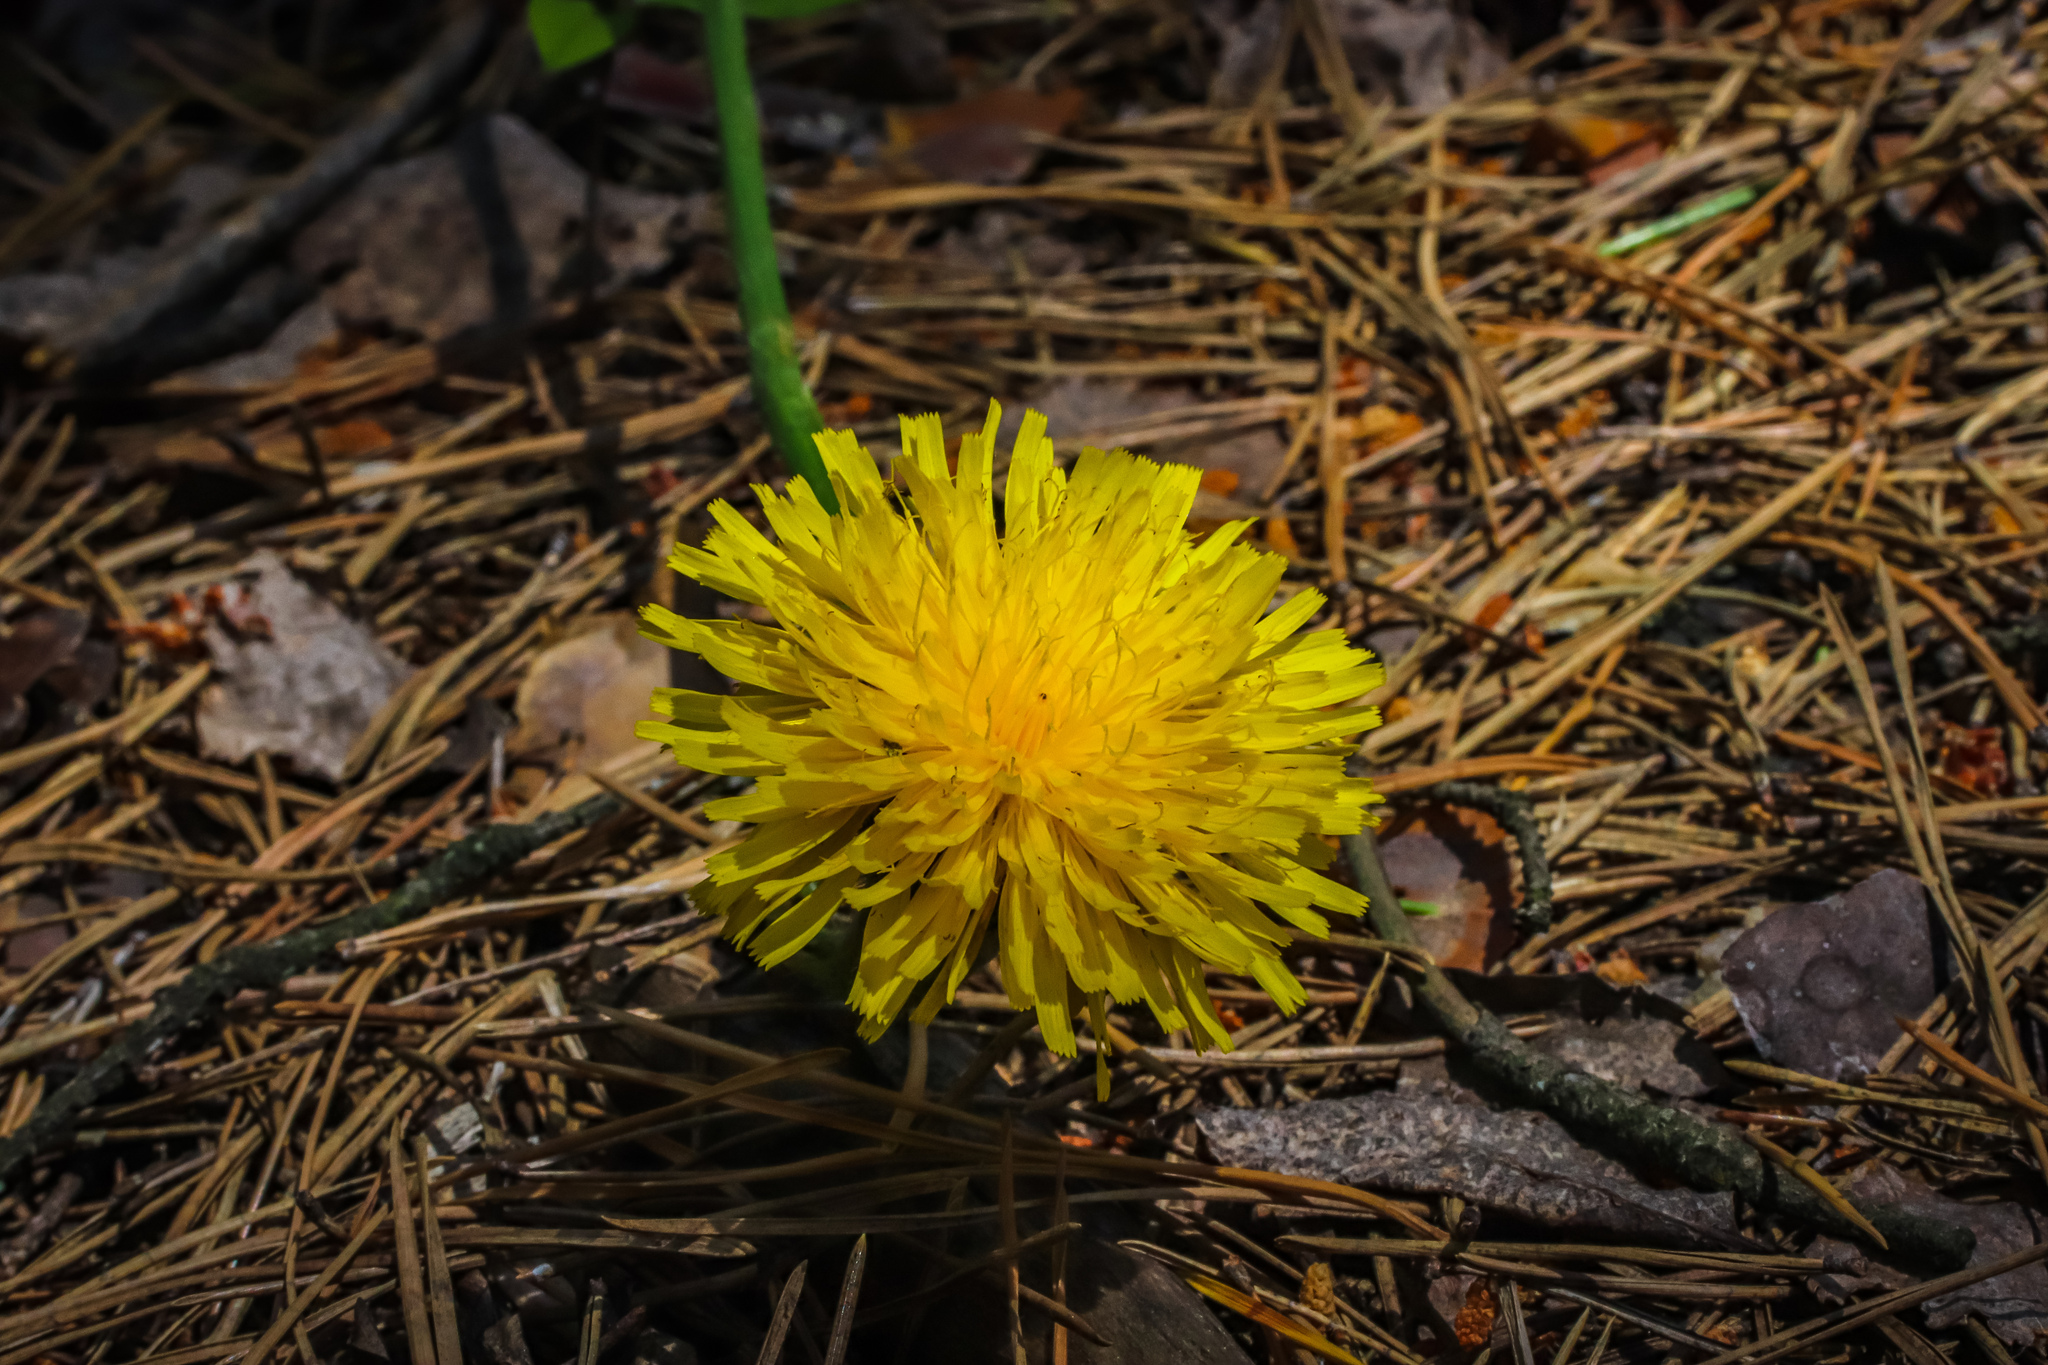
(1631, 1126)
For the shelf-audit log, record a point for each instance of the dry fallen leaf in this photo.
(307, 691)
(2013, 1305)
(1595, 138)
(1975, 757)
(487, 229)
(1456, 859)
(1380, 426)
(585, 693)
(983, 139)
(34, 648)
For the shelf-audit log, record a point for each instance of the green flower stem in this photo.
(779, 389)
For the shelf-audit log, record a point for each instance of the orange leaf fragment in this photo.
(1221, 482)
(1582, 416)
(1280, 538)
(1596, 138)
(357, 436)
(1621, 970)
(1048, 114)
(1495, 607)
(1400, 708)
(1379, 426)
(1274, 297)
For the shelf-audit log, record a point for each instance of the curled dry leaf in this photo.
(1455, 859)
(1975, 757)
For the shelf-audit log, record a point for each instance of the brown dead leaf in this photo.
(1456, 859)
(1380, 426)
(464, 234)
(982, 139)
(36, 647)
(1975, 757)
(585, 693)
(357, 436)
(304, 693)
(1594, 138)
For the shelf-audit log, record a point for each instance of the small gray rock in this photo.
(1818, 986)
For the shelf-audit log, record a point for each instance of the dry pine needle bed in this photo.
(1661, 394)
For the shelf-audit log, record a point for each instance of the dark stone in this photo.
(1819, 985)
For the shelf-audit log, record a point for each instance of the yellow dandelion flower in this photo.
(1074, 724)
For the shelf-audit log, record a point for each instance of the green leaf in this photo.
(568, 32)
(761, 9)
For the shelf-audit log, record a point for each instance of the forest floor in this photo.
(1662, 394)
